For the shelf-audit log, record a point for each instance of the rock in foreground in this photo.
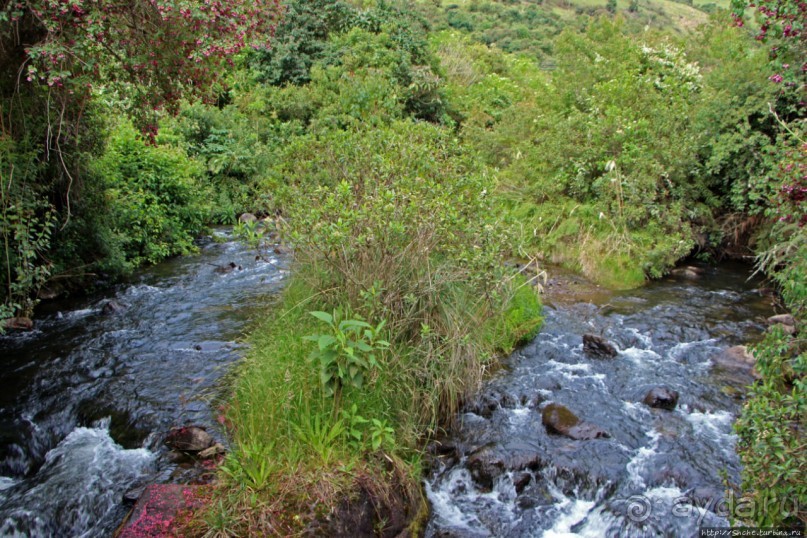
(560, 420)
(598, 346)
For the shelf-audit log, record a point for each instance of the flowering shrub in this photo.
(782, 23)
(155, 51)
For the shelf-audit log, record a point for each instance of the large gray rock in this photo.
(737, 359)
(689, 271)
(785, 322)
(784, 319)
(560, 420)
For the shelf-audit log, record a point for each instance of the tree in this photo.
(152, 52)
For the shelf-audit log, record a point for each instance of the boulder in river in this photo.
(485, 465)
(20, 324)
(688, 271)
(189, 439)
(112, 307)
(598, 346)
(661, 398)
(492, 460)
(786, 322)
(247, 217)
(737, 360)
(560, 420)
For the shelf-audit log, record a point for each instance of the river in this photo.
(89, 394)
(660, 473)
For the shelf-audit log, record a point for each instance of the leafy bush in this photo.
(155, 201)
(402, 207)
(26, 225)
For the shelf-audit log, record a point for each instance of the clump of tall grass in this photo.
(397, 243)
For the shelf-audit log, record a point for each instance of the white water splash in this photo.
(82, 480)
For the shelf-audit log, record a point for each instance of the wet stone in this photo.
(661, 398)
(189, 439)
(521, 480)
(597, 346)
(560, 420)
(112, 307)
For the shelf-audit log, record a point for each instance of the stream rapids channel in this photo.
(90, 393)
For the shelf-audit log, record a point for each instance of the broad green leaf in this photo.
(325, 341)
(324, 316)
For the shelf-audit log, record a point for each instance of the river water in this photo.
(661, 473)
(88, 395)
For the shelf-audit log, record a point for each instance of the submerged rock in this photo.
(189, 439)
(560, 420)
(661, 398)
(598, 346)
(224, 269)
(487, 403)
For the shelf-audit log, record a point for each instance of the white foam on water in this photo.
(458, 484)
(636, 410)
(678, 350)
(664, 493)
(82, 480)
(519, 416)
(645, 339)
(715, 426)
(565, 367)
(640, 356)
(572, 512)
(80, 313)
(595, 525)
(642, 458)
(141, 289)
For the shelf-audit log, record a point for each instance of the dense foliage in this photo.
(65, 68)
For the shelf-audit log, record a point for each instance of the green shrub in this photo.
(156, 204)
(346, 354)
